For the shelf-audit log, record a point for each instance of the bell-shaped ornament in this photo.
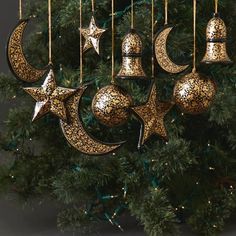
(216, 37)
(132, 57)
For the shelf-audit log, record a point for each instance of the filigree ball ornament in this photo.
(194, 93)
(111, 105)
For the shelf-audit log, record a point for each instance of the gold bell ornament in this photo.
(216, 37)
(132, 54)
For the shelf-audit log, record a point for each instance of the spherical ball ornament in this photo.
(110, 105)
(194, 93)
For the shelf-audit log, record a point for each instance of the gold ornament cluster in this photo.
(112, 105)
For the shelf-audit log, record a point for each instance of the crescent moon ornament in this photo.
(162, 55)
(16, 58)
(75, 133)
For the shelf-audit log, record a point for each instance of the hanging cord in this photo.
(20, 9)
(81, 44)
(194, 33)
(166, 12)
(153, 25)
(113, 43)
(50, 32)
(93, 7)
(216, 6)
(132, 14)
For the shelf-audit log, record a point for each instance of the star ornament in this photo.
(152, 115)
(92, 36)
(49, 98)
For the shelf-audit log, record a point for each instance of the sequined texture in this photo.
(131, 67)
(110, 105)
(216, 53)
(75, 133)
(132, 44)
(216, 35)
(92, 36)
(194, 93)
(162, 56)
(49, 98)
(216, 29)
(17, 61)
(152, 115)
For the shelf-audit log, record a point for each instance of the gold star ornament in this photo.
(49, 98)
(152, 115)
(92, 36)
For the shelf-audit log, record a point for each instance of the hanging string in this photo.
(93, 7)
(50, 31)
(216, 6)
(113, 43)
(194, 33)
(153, 25)
(20, 9)
(81, 44)
(132, 14)
(166, 12)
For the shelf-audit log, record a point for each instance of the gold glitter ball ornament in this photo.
(194, 93)
(110, 105)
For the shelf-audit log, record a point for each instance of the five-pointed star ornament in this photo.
(50, 98)
(152, 115)
(92, 36)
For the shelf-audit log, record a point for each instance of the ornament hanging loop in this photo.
(50, 32)
(20, 9)
(113, 42)
(93, 7)
(194, 34)
(216, 6)
(132, 14)
(153, 25)
(81, 44)
(166, 12)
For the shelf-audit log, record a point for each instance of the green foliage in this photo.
(191, 178)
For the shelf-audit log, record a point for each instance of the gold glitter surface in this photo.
(161, 53)
(216, 53)
(75, 132)
(131, 67)
(110, 105)
(92, 36)
(49, 98)
(17, 61)
(216, 29)
(132, 44)
(152, 116)
(194, 93)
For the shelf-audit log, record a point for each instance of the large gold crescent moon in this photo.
(161, 53)
(75, 132)
(16, 58)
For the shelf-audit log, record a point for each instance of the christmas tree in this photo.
(191, 178)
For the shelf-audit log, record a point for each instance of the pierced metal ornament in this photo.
(162, 55)
(194, 93)
(132, 57)
(110, 105)
(16, 58)
(216, 37)
(75, 132)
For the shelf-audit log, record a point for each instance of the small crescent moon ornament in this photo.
(161, 53)
(75, 133)
(16, 58)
